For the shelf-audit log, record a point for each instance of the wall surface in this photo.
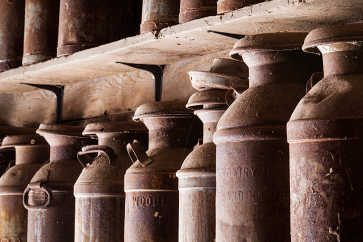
(109, 95)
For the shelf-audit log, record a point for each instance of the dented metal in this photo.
(100, 199)
(30, 152)
(159, 14)
(49, 196)
(252, 171)
(325, 134)
(40, 30)
(151, 187)
(12, 33)
(194, 9)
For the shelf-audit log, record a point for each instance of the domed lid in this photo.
(268, 42)
(161, 109)
(207, 97)
(202, 157)
(352, 33)
(60, 129)
(23, 140)
(113, 127)
(224, 74)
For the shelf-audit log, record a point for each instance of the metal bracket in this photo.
(234, 36)
(58, 91)
(157, 72)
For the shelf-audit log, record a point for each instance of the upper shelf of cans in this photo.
(88, 42)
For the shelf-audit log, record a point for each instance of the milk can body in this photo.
(325, 135)
(252, 172)
(151, 186)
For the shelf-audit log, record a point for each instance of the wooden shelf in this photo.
(183, 41)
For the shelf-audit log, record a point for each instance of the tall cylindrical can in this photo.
(100, 199)
(40, 30)
(325, 134)
(158, 14)
(194, 9)
(30, 151)
(197, 176)
(88, 23)
(49, 196)
(225, 6)
(12, 33)
(151, 187)
(252, 156)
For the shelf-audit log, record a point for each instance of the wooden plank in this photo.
(183, 41)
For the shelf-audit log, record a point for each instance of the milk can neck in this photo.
(272, 67)
(168, 132)
(208, 131)
(116, 141)
(64, 147)
(31, 154)
(342, 59)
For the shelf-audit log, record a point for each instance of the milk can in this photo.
(88, 23)
(30, 152)
(40, 30)
(252, 171)
(12, 32)
(158, 14)
(49, 196)
(151, 186)
(7, 156)
(325, 134)
(197, 176)
(194, 9)
(225, 6)
(100, 199)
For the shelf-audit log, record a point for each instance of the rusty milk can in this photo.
(194, 9)
(252, 171)
(225, 6)
(88, 23)
(12, 33)
(151, 186)
(325, 134)
(49, 196)
(40, 30)
(100, 199)
(7, 156)
(30, 152)
(159, 14)
(197, 176)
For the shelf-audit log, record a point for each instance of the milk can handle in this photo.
(137, 154)
(37, 186)
(93, 149)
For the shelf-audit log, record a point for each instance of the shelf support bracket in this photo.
(58, 91)
(157, 73)
(234, 36)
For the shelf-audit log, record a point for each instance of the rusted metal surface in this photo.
(40, 30)
(197, 176)
(194, 9)
(84, 24)
(159, 14)
(49, 196)
(225, 6)
(12, 32)
(252, 171)
(30, 151)
(100, 200)
(325, 135)
(151, 186)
